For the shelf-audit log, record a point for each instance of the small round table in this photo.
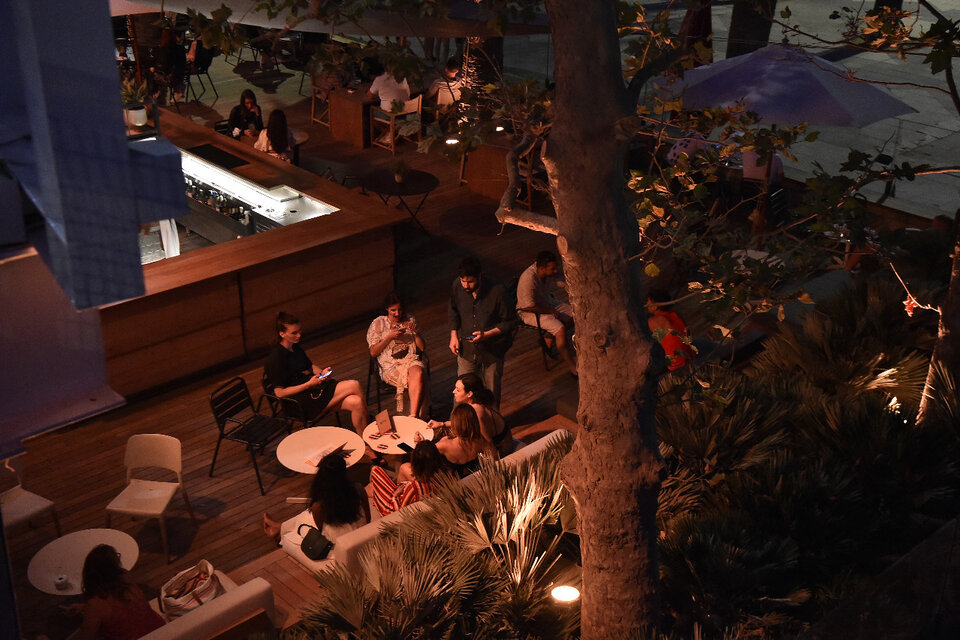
(415, 183)
(407, 428)
(296, 451)
(65, 557)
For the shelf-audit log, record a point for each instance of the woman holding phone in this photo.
(397, 344)
(291, 374)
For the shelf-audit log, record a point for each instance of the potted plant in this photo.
(133, 92)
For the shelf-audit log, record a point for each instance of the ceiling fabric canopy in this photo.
(467, 19)
(124, 8)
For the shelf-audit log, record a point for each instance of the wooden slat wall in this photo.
(330, 284)
(158, 338)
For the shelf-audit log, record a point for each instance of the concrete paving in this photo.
(930, 136)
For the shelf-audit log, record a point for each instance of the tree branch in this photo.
(529, 220)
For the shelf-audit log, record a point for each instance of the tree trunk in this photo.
(947, 350)
(614, 470)
(750, 24)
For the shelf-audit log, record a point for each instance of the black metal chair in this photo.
(545, 349)
(240, 421)
(222, 126)
(291, 409)
(201, 67)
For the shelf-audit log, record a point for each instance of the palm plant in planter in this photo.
(133, 93)
(479, 564)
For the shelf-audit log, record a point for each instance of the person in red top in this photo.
(413, 481)
(115, 607)
(675, 339)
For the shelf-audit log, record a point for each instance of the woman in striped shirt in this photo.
(414, 479)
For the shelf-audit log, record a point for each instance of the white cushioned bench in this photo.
(349, 546)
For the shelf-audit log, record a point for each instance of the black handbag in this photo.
(314, 544)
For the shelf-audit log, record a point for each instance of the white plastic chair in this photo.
(150, 498)
(19, 505)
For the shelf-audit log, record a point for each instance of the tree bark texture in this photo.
(750, 24)
(947, 349)
(614, 469)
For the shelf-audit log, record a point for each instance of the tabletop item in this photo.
(393, 442)
(298, 450)
(58, 567)
(414, 183)
(384, 423)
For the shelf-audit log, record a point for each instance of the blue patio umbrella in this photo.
(785, 85)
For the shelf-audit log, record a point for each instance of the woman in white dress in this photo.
(396, 344)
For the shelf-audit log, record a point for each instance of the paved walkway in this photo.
(930, 136)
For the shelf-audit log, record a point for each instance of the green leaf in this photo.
(812, 136)
(651, 270)
(785, 14)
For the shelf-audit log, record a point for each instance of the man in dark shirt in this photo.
(482, 324)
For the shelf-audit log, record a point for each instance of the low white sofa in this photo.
(237, 604)
(349, 546)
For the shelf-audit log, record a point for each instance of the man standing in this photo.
(534, 297)
(481, 325)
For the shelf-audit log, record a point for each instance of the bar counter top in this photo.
(218, 305)
(356, 213)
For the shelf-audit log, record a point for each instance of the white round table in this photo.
(407, 427)
(65, 557)
(297, 449)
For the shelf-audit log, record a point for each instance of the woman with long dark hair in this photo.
(290, 373)
(114, 607)
(246, 118)
(337, 506)
(463, 447)
(413, 479)
(469, 390)
(397, 344)
(276, 139)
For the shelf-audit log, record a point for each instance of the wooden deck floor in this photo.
(80, 467)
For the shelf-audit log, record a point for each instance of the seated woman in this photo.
(413, 479)
(114, 607)
(246, 118)
(396, 344)
(276, 139)
(469, 390)
(463, 449)
(337, 506)
(291, 374)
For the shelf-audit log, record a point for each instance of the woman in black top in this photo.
(246, 118)
(464, 446)
(291, 374)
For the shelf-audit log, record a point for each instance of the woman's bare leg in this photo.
(349, 397)
(416, 379)
(271, 527)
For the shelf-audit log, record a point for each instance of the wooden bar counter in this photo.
(218, 305)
